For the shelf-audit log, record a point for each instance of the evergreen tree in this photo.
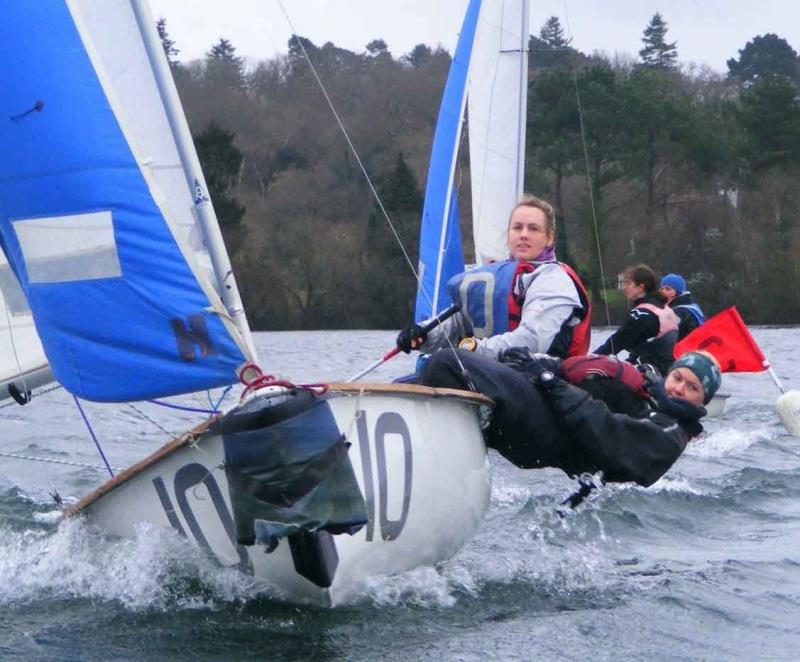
(223, 67)
(770, 113)
(764, 56)
(552, 34)
(400, 192)
(392, 290)
(378, 47)
(418, 56)
(657, 53)
(550, 50)
(296, 46)
(553, 142)
(166, 42)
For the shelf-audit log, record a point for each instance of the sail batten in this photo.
(98, 156)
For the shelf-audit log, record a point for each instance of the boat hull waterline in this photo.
(417, 453)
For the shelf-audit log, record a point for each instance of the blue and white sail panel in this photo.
(23, 365)
(96, 212)
(498, 86)
(440, 250)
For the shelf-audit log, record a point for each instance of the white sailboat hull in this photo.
(717, 405)
(425, 480)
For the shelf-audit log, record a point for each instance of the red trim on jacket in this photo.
(581, 332)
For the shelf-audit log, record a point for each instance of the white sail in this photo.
(497, 107)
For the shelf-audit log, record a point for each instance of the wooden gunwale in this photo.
(334, 388)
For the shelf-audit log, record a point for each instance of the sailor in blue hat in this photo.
(673, 289)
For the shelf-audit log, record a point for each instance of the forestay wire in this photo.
(349, 142)
(375, 194)
(585, 147)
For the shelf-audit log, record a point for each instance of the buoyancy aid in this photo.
(694, 309)
(667, 319)
(581, 332)
(619, 384)
(483, 294)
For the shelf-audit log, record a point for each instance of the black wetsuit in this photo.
(564, 426)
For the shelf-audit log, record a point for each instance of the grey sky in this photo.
(707, 31)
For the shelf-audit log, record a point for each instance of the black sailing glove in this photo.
(413, 334)
(515, 357)
(533, 367)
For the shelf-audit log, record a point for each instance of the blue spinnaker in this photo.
(140, 325)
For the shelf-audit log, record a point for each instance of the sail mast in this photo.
(209, 225)
(522, 117)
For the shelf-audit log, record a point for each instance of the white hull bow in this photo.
(424, 477)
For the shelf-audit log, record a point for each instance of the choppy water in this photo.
(703, 565)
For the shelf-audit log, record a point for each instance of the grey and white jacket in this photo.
(550, 299)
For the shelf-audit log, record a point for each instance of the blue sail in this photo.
(122, 312)
(440, 250)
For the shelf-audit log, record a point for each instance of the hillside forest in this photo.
(677, 166)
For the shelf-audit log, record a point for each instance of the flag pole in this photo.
(775, 379)
(787, 405)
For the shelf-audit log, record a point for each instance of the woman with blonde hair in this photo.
(528, 300)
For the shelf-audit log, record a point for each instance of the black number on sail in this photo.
(191, 334)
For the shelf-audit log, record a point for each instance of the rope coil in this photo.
(260, 380)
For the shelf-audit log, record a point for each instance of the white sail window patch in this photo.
(62, 249)
(15, 302)
(14, 298)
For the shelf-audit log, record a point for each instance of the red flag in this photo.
(726, 337)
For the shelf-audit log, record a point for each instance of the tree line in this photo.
(646, 160)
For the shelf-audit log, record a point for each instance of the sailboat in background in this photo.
(113, 242)
(23, 364)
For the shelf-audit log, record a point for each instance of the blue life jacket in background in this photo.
(694, 309)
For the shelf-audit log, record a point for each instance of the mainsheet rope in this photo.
(584, 144)
(94, 437)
